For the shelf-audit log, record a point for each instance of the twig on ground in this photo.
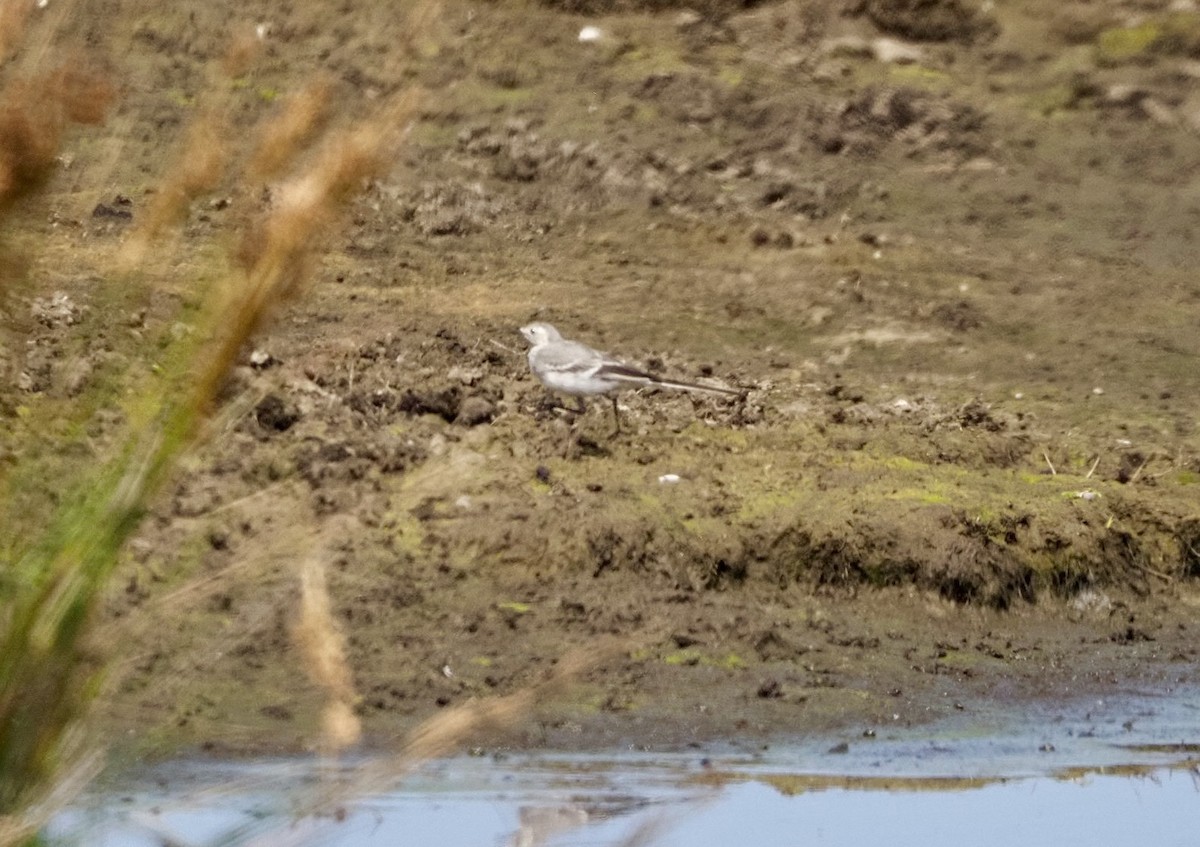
(1133, 477)
(504, 347)
(1163, 576)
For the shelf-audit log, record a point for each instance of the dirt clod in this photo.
(475, 410)
(930, 20)
(276, 414)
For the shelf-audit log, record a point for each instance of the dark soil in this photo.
(957, 293)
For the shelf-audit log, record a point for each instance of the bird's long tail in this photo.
(633, 376)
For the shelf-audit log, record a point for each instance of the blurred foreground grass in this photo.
(66, 512)
(54, 565)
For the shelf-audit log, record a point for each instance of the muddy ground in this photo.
(946, 253)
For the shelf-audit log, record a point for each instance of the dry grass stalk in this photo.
(23, 826)
(14, 16)
(35, 34)
(203, 157)
(46, 676)
(444, 733)
(276, 254)
(244, 48)
(40, 685)
(43, 665)
(44, 681)
(288, 132)
(421, 20)
(304, 205)
(324, 650)
(450, 730)
(199, 167)
(34, 113)
(14, 327)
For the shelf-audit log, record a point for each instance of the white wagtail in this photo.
(580, 371)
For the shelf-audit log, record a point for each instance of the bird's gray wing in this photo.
(568, 357)
(613, 369)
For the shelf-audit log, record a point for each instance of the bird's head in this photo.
(540, 333)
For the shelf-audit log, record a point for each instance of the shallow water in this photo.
(1116, 772)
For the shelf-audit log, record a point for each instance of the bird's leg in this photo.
(579, 410)
(616, 417)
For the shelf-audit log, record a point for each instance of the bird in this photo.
(575, 369)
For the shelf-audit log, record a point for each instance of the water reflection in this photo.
(765, 797)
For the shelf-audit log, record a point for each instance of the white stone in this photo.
(891, 51)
